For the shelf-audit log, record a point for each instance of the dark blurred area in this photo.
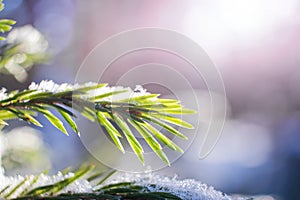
(255, 45)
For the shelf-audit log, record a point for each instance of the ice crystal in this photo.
(185, 189)
(50, 86)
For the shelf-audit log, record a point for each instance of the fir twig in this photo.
(120, 116)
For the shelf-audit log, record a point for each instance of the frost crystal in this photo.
(50, 86)
(127, 92)
(185, 189)
(140, 89)
(3, 94)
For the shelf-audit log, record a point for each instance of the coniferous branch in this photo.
(26, 189)
(119, 110)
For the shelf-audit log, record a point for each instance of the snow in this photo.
(187, 189)
(50, 86)
(3, 94)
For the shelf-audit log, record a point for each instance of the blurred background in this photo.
(255, 45)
